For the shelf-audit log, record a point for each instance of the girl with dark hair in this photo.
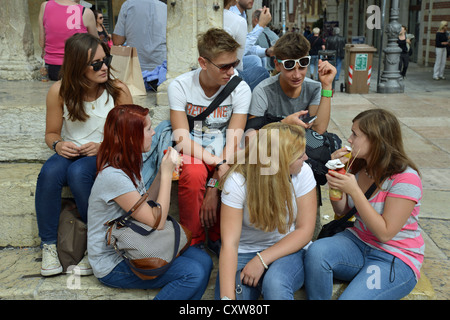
(118, 186)
(77, 106)
(381, 255)
(102, 33)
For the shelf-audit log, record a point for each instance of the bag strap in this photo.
(352, 212)
(124, 218)
(231, 85)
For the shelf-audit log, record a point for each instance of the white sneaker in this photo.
(442, 78)
(50, 262)
(83, 268)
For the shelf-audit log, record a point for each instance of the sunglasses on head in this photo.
(289, 64)
(225, 67)
(98, 65)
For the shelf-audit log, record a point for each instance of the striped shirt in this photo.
(408, 244)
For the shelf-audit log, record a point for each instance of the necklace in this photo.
(367, 174)
(94, 102)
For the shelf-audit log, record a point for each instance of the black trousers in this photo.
(53, 72)
(404, 63)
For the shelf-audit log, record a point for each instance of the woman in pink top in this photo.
(381, 255)
(58, 21)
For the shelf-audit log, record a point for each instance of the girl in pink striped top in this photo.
(382, 253)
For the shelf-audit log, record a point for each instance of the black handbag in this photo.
(193, 121)
(336, 226)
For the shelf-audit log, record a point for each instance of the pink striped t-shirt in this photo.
(60, 23)
(408, 244)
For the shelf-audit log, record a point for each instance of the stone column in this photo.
(391, 81)
(185, 20)
(17, 60)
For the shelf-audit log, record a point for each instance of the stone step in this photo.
(21, 280)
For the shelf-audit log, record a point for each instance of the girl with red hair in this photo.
(119, 185)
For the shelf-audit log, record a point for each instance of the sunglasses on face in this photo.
(225, 67)
(289, 64)
(98, 65)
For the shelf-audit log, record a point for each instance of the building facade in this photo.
(421, 17)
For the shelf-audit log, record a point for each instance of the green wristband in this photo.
(327, 93)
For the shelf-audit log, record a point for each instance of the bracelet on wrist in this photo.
(54, 144)
(220, 163)
(262, 261)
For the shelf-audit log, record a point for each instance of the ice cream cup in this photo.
(336, 166)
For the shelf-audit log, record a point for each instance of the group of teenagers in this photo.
(251, 198)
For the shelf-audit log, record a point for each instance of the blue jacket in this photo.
(152, 159)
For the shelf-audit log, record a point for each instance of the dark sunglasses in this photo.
(289, 64)
(98, 65)
(225, 67)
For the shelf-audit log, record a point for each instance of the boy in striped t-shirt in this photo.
(382, 253)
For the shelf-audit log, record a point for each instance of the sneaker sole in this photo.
(51, 272)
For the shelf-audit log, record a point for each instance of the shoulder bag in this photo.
(72, 235)
(336, 226)
(193, 121)
(147, 251)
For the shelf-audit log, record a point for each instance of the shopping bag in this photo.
(125, 67)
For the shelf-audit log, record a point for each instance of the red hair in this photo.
(123, 140)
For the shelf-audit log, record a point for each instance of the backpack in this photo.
(319, 148)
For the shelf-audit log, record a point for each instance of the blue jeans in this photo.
(186, 279)
(57, 172)
(338, 67)
(314, 67)
(253, 72)
(373, 274)
(284, 277)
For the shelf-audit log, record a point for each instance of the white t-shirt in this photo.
(234, 195)
(236, 26)
(186, 94)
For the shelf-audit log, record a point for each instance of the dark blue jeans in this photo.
(57, 172)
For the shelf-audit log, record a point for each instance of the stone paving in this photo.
(423, 110)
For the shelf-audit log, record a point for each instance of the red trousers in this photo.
(191, 191)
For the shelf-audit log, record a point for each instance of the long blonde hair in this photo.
(265, 166)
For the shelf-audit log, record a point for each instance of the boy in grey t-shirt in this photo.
(290, 94)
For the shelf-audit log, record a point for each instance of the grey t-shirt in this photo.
(109, 184)
(269, 96)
